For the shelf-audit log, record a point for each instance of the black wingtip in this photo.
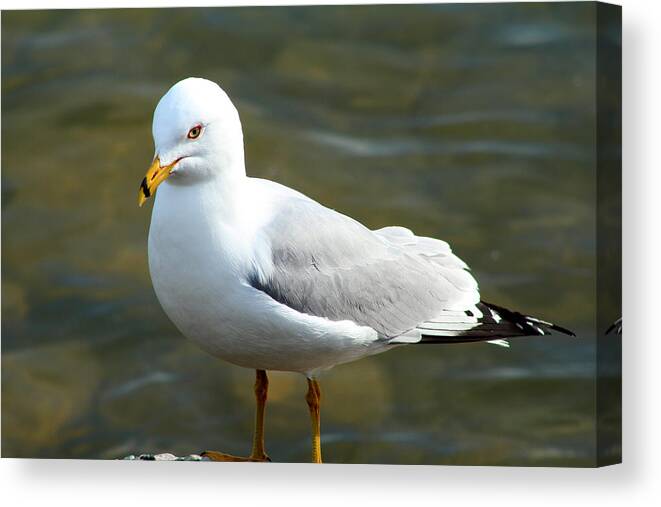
(615, 326)
(528, 323)
(562, 330)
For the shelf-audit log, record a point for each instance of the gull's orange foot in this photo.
(221, 456)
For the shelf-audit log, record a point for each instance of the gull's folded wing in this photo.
(326, 264)
(409, 289)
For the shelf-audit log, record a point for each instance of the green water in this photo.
(474, 124)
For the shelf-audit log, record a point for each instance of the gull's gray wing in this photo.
(326, 264)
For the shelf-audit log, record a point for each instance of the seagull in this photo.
(264, 277)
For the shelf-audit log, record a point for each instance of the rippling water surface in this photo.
(474, 124)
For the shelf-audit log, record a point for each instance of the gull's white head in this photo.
(197, 137)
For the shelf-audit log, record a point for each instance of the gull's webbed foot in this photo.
(258, 453)
(221, 456)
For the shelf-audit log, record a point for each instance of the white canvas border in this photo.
(636, 482)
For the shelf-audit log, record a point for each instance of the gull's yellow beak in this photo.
(156, 175)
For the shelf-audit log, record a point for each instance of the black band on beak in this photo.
(145, 188)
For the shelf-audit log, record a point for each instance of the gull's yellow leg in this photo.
(261, 393)
(258, 452)
(313, 397)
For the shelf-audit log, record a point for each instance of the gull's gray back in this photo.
(328, 265)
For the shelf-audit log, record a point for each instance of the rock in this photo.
(165, 457)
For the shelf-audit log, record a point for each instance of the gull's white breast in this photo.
(201, 253)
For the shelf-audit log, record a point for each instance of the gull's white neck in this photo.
(218, 218)
(218, 197)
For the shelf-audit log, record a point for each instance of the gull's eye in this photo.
(195, 132)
